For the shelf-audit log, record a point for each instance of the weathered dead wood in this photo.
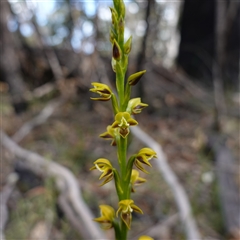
(169, 176)
(66, 183)
(160, 230)
(178, 78)
(228, 176)
(4, 196)
(39, 119)
(9, 63)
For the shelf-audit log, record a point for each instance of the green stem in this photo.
(124, 230)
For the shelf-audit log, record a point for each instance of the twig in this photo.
(65, 182)
(71, 216)
(160, 230)
(179, 193)
(4, 196)
(39, 119)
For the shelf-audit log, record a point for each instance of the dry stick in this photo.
(65, 182)
(4, 196)
(160, 230)
(39, 119)
(24, 131)
(179, 193)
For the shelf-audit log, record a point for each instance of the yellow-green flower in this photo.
(143, 157)
(136, 180)
(123, 121)
(135, 106)
(103, 90)
(107, 216)
(104, 166)
(144, 237)
(126, 207)
(110, 134)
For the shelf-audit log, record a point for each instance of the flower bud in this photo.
(121, 26)
(114, 17)
(116, 4)
(116, 51)
(113, 64)
(122, 8)
(134, 78)
(128, 46)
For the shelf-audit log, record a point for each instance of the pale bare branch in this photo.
(178, 191)
(66, 183)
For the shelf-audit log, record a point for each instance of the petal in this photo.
(115, 124)
(132, 122)
(103, 161)
(148, 152)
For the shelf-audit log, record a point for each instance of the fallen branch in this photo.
(160, 230)
(227, 171)
(66, 183)
(179, 193)
(39, 119)
(4, 196)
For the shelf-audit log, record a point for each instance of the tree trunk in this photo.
(9, 62)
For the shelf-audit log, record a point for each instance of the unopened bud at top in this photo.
(116, 51)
